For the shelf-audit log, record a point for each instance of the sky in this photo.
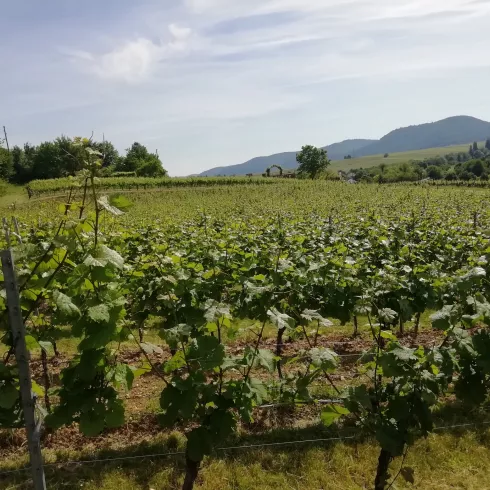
(216, 82)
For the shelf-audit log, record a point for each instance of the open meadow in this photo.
(393, 158)
(296, 334)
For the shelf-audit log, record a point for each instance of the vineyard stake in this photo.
(22, 357)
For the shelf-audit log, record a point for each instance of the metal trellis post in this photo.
(22, 357)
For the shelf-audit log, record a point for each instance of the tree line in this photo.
(61, 158)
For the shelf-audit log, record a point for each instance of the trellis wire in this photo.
(228, 448)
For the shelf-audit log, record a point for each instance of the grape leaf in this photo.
(99, 313)
(311, 315)
(108, 256)
(199, 444)
(114, 416)
(8, 396)
(323, 358)
(123, 376)
(65, 304)
(92, 421)
(31, 343)
(47, 347)
(331, 413)
(442, 319)
(266, 359)
(281, 320)
(151, 348)
(207, 351)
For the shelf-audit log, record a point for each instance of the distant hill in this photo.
(451, 131)
(287, 160)
(397, 158)
(456, 130)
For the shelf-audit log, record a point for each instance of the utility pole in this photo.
(6, 139)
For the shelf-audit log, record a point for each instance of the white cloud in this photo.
(200, 6)
(179, 33)
(180, 37)
(245, 77)
(136, 60)
(133, 62)
(381, 7)
(348, 29)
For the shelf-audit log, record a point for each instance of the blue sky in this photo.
(217, 82)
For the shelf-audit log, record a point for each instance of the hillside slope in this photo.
(337, 151)
(456, 130)
(451, 131)
(397, 158)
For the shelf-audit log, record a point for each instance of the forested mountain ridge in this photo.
(337, 151)
(451, 131)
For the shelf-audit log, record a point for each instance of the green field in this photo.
(394, 158)
(375, 160)
(254, 314)
(45, 188)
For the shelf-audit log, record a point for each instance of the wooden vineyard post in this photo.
(6, 229)
(21, 354)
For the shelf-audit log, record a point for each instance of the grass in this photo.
(375, 160)
(11, 196)
(457, 460)
(447, 460)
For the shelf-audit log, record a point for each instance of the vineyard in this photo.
(51, 187)
(196, 322)
(38, 188)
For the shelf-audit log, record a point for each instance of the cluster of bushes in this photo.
(62, 158)
(471, 165)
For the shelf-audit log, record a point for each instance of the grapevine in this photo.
(206, 279)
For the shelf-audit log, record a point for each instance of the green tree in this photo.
(405, 168)
(152, 167)
(451, 175)
(487, 144)
(475, 146)
(312, 161)
(6, 167)
(110, 156)
(54, 159)
(22, 159)
(59, 158)
(139, 159)
(434, 172)
(419, 172)
(476, 167)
